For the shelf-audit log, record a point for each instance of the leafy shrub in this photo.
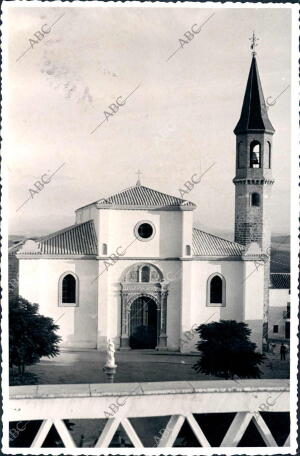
(227, 350)
(31, 335)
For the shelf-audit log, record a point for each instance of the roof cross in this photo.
(253, 45)
(139, 173)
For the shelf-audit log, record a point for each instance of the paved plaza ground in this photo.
(86, 366)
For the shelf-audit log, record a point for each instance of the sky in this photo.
(177, 121)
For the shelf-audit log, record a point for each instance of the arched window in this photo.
(269, 152)
(255, 155)
(145, 274)
(240, 156)
(104, 249)
(255, 199)
(216, 290)
(188, 250)
(142, 272)
(68, 290)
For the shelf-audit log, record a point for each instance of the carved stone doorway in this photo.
(143, 308)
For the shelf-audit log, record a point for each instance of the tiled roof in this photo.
(205, 244)
(140, 196)
(13, 248)
(279, 280)
(79, 239)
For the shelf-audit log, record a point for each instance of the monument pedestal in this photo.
(110, 372)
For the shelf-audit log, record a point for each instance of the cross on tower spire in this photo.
(138, 182)
(253, 45)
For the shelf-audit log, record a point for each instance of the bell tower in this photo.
(253, 179)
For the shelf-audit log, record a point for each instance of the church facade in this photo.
(133, 268)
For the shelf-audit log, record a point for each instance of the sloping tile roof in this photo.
(140, 196)
(79, 239)
(279, 280)
(13, 248)
(205, 244)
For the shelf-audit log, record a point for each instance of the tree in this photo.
(227, 350)
(31, 335)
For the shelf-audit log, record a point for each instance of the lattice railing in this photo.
(119, 404)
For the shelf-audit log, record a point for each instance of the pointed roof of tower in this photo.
(254, 115)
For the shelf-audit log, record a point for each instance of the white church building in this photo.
(135, 269)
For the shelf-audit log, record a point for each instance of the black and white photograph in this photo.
(149, 228)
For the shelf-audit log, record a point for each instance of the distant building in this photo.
(13, 267)
(279, 308)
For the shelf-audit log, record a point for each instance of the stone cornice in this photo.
(251, 132)
(136, 258)
(144, 287)
(252, 181)
(40, 256)
(215, 258)
(194, 258)
(255, 257)
(114, 207)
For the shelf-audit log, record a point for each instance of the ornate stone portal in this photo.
(144, 281)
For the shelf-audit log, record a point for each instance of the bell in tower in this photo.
(255, 156)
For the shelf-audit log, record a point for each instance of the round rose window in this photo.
(144, 231)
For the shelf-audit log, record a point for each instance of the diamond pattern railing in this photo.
(119, 403)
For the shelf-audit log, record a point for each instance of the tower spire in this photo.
(254, 114)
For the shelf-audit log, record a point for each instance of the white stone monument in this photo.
(110, 355)
(110, 366)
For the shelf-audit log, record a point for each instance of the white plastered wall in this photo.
(39, 282)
